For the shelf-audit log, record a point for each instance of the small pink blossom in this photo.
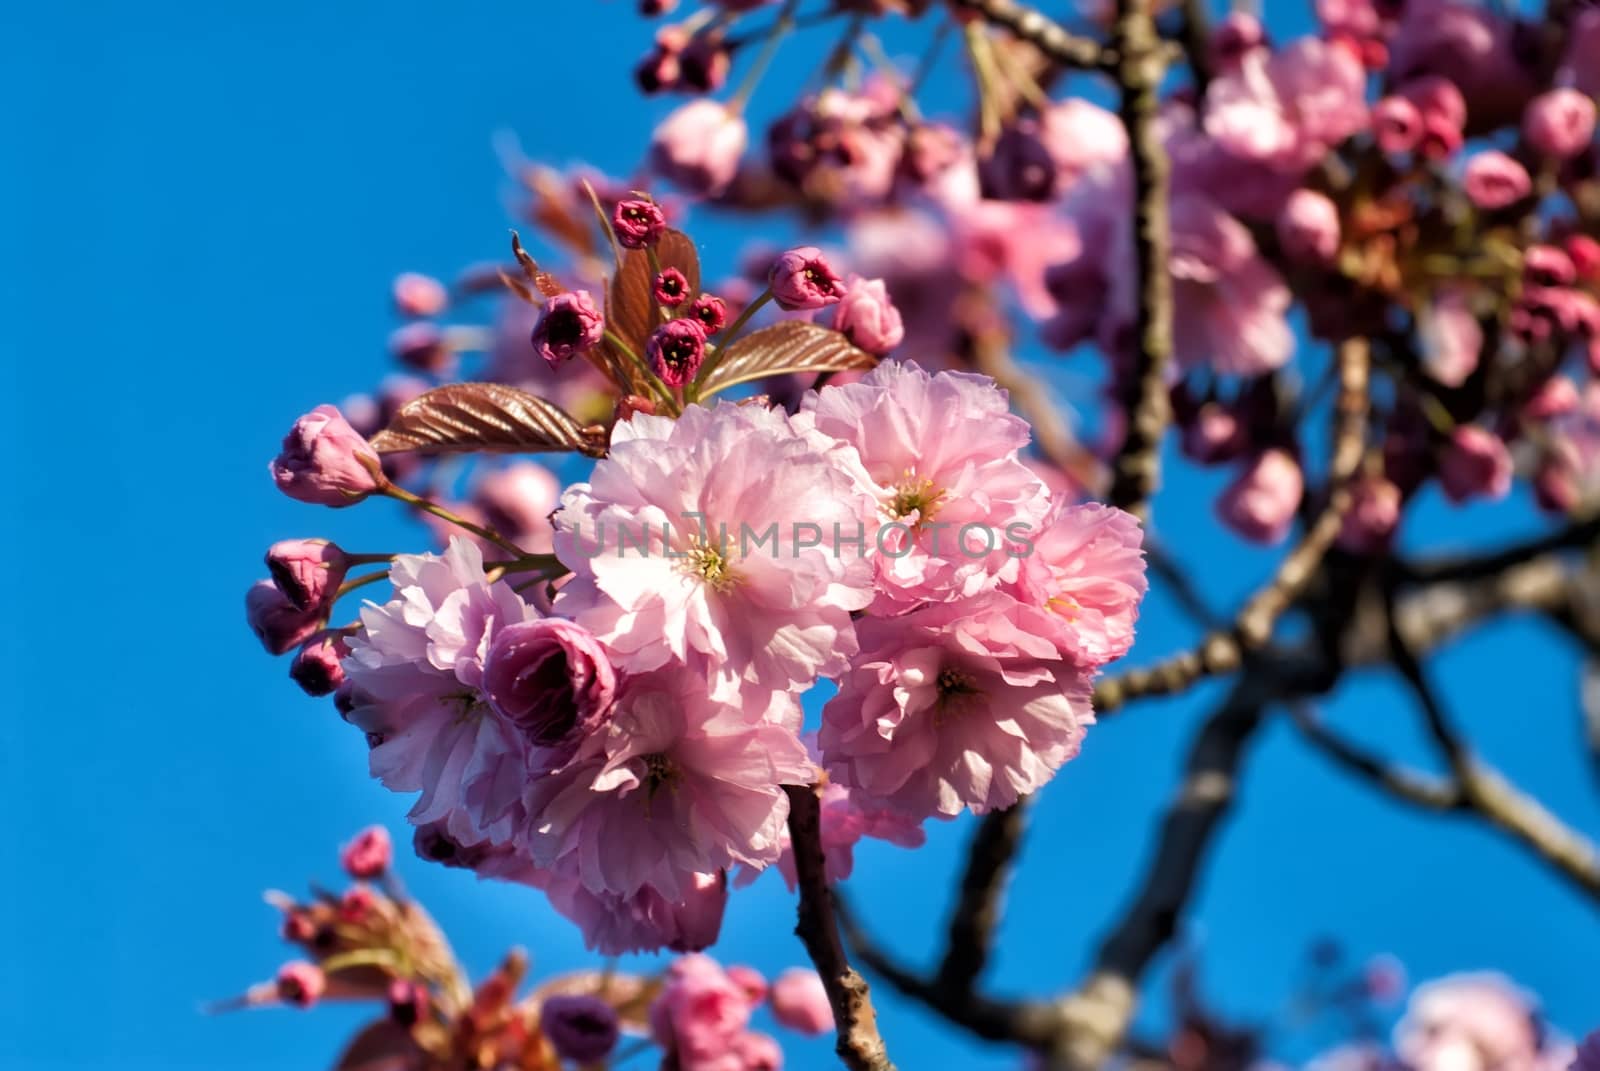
(517, 501)
(279, 624)
(1437, 99)
(751, 981)
(317, 667)
(867, 317)
(1238, 34)
(1308, 227)
(301, 984)
(1474, 463)
(698, 147)
(1397, 125)
(1086, 567)
(1374, 513)
(553, 680)
(800, 1001)
(1260, 504)
(1494, 180)
(699, 1015)
(671, 288)
(964, 704)
(1081, 138)
(1555, 397)
(676, 350)
(419, 295)
(326, 462)
(638, 224)
(803, 279)
(1468, 1021)
(1449, 337)
(307, 571)
(1560, 124)
(369, 855)
(710, 311)
(570, 323)
(1230, 304)
(1215, 435)
(1286, 109)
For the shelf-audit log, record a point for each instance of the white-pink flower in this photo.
(727, 540)
(1230, 306)
(1286, 109)
(1469, 1022)
(965, 704)
(679, 784)
(948, 498)
(415, 669)
(1087, 568)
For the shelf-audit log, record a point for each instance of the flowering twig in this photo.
(1039, 31)
(860, 1045)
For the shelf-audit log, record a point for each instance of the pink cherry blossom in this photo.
(959, 705)
(325, 461)
(646, 921)
(1229, 303)
(553, 681)
(318, 665)
(1475, 462)
(1449, 338)
(1560, 124)
(740, 575)
(419, 295)
(676, 350)
(517, 501)
(800, 1002)
(937, 456)
(1469, 1021)
(1308, 227)
(307, 571)
(803, 279)
(1286, 109)
(1087, 569)
(1260, 504)
(638, 224)
(279, 624)
(700, 1014)
(1374, 513)
(1494, 180)
(368, 854)
(570, 323)
(867, 317)
(1471, 46)
(698, 147)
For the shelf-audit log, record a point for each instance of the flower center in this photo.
(954, 686)
(659, 773)
(913, 495)
(708, 563)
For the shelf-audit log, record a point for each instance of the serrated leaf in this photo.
(490, 417)
(791, 346)
(631, 301)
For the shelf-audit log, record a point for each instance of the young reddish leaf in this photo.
(543, 280)
(552, 210)
(786, 347)
(516, 287)
(380, 1046)
(485, 417)
(631, 302)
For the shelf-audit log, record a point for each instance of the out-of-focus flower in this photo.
(1469, 1022)
(1374, 513)
(1471, 46)
(581, 1028)
(301, 984)
(1260, 504)
(1308, 227)
(419, 295)
(325, 461)
(699, 1014)
(867, 317)
(1449, 337)
(1474, 463)
(368, 855)
(1397, 125)
(1494, 180)
(1288, 108)
(1560, 124)
(698, 147)
(800, 1002)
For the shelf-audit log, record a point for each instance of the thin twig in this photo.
(972, 924)
(1406, 785)
(1041, 32)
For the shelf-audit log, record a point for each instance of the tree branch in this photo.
(860, 1045)
(977, 912)
(1405, 785)
(1038, 30)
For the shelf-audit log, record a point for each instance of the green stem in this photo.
(726, 337)
(655, 385)
(359, 582)
(398, 492)
(769, 48)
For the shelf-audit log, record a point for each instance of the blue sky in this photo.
(204, 205)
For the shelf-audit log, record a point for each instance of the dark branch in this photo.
(977, 912)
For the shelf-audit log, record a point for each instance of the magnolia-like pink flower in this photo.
(580, 1027)
(1494, 180)
(415, 672)
(307, 571)
(699, 1015)
(803, 279)
(698, 147)
(1086, 567)
(676, 350)
(419, 295)
(867, 317)
(279, 624)
(728, 539)
(964, 704)
(368, 855)
(1308, 227)
(301, 984)
(800, 1001)
(1469, 1022)
(936, 456)
(553, 680)
(570, 323)
(679, 784)
(1560, 124)
(1449, 337)
(326, 462)
(1230, 306)
(317, 667)
(638, 224)
(1260, 504)
(1474, 463)
(1373, 516)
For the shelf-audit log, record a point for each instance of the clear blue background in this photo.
(203, 205)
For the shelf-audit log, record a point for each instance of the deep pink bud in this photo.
(1260, 504)
(409, 1002)
(1548, 265)
(638, 224)
(356, 903)
(1308, 227)
(318, 668)
(1555, 397)
(308, 571)
(1474, 463)
(756, 1051)
(671, 288)
(1437, 98)
(571, 323)
(301, 983)
(803, 279)
(711, 311)
(800, 1002)
(1494, 180)
(369, 854)
(1397, 125)
(751, 981)
(324, 461)
(1585, 254)
(703, 65)
(1441, 139)
(676, 350)
(422, 346)
(1237, 34)
(867, 317)
(553, 680)
(419, 295)
(581, 1028)
(1559, 124)
(1373, 515)
(698, 147)
(279, 624)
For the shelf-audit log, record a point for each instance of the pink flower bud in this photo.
(552, 680)
(867, 317)
(279, 624)
(1438, 98)
(800, 1001)
(1548, 265)
(356, 903)
(1397, 125)
(369, 854)
(703, 65)
(676, 351)
(1236, 35)
(1494, 180)
(1559, 124)
(1440, 138)
(756, 1051)
(581, 1028)
(325, 462)
(1260, 504)
(698, 147)
(751, 981)
(1308, 227)
(300, 983)
(318, 668)
(803, 279)
(308, 571)
(671, 288)
(1374, 514)
(711, 311)
(1474, 463)
(422, 346)
(571, 323)
(419, 295)
(638, 224)
(1555, 397)
(700, 1011)
(1214, 435)
(408, 1002)
(1585, 254)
